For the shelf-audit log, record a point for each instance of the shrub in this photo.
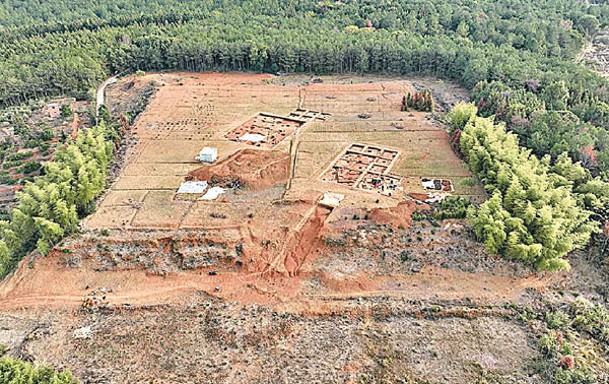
(20, 372)
(453, 207)
(556, 320)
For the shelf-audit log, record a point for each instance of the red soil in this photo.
(256, 169)
(305, 240)
(419, 196)
(398, 216)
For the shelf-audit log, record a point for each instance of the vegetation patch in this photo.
(535, 212)
(19, 372)
(573, 343)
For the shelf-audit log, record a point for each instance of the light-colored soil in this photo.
(595, 54)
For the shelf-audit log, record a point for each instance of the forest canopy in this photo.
(517, 56)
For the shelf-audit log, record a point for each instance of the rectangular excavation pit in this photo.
(365, 167)
(265, 130)
(444, 185)
(308, 115)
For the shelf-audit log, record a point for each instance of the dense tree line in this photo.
(516, 55)
(538, 211)
(552, 118)
(49, 208)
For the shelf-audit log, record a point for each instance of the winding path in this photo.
(101, 92)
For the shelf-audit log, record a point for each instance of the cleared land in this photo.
(264, 284)
(321, 121)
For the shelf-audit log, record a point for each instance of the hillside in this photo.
(421, 198)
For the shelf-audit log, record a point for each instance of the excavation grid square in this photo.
(365, 167)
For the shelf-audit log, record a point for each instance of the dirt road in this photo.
(47, 285)
(101, 92)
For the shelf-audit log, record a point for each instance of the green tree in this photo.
(19, 372)
(66, 110)
(556, 95)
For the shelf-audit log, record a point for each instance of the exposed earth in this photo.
(264, 284)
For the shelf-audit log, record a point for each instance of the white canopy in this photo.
(331, 200)
(193, 187)
(253, 137)
(213, 193)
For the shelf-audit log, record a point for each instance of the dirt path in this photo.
(45, 285)
(101, 92)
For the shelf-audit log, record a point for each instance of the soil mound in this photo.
(256, 169)
(398, 216)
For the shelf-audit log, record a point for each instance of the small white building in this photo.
(331, 200)
(208, 155)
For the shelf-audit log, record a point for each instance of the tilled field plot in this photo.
(312, 123)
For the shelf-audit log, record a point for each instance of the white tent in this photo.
(331, 200)
(208, 155)
(428, 184)
(193, 187)
(253, 137)
(213, 193)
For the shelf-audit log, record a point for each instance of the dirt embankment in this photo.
(399, 216)
(255, 169)
(160, 255)
(305, 240)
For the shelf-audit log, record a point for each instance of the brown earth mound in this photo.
(398, 216)
(256, 169)
(305, 240)
(419, 196)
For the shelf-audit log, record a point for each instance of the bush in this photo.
(19, 372)
(453, 207)
(557, 320)
(66, 111)
(5, 178)
(19, 156)
(590, 318)
(30, 167)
